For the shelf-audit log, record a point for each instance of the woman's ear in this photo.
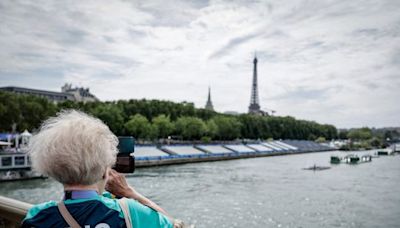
(105, 175)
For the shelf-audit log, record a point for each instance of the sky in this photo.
(335, 62)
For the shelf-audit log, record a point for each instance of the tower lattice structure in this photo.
(254, 107)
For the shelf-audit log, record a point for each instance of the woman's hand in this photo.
(117, 185)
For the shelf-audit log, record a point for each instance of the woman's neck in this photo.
(70, 187)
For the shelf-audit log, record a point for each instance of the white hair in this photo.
(73, 148)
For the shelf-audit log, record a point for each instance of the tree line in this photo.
(367, 138)
(156, 119)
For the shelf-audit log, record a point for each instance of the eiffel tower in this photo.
(254, 107)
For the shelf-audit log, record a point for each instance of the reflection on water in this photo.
(262, 192)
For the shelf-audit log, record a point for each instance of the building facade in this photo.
(80, 94)
(67, 93)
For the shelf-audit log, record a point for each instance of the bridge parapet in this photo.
(12, 212)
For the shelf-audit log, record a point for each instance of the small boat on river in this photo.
(336, 160)
(14, 161)
(351, 159)
(383, 152)
(366, 158)
(317, 168)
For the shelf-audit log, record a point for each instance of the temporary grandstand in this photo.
(273, 147)
(290, 147)
(307, 146)
(259, 147)
(239, 148)
(149, 152)
(182, 150)
(283, 147)
(174, 154)
(214, 149)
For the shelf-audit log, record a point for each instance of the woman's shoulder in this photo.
(141, 215)
(111, 202)
(35, 209)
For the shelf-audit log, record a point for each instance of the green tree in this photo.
(29, 111)
(110, 115)
(343, 134)
(163, 126)
(26, 112)
(376, 142)
(253, 127)
(228, 127)
(139, 127)
(190, 127)
(360, 134)
(212, 129)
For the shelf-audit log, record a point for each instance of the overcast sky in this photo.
(334, 62)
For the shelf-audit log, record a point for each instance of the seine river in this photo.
(262, 192)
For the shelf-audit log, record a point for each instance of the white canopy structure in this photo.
(25, 137)
(5, 143)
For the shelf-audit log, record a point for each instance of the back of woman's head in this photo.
(73, 148)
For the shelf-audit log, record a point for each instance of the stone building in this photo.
(78, 94)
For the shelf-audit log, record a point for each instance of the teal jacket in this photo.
(97, 211)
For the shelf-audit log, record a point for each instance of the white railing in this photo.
(12, 211)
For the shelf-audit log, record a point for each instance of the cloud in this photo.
(232, 43)
(331, 61)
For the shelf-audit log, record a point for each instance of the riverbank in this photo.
(150, 155)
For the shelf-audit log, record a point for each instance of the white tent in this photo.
(26, 133)
(5, 143)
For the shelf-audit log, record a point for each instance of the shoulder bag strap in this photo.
(125, 210)
(67, 216)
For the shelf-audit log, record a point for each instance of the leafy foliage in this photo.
(139, 126)
(360, 134)
(190, 127)
(153, 119)
(163, 126)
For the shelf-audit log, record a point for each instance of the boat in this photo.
(366, 158)
(396, 148)
(335, 160)
(317, 168)
(388, 151)
(14, 161)
(382, 152)
(352, 159)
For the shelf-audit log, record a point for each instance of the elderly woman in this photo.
(78, 151)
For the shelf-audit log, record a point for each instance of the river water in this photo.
(262, 192)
